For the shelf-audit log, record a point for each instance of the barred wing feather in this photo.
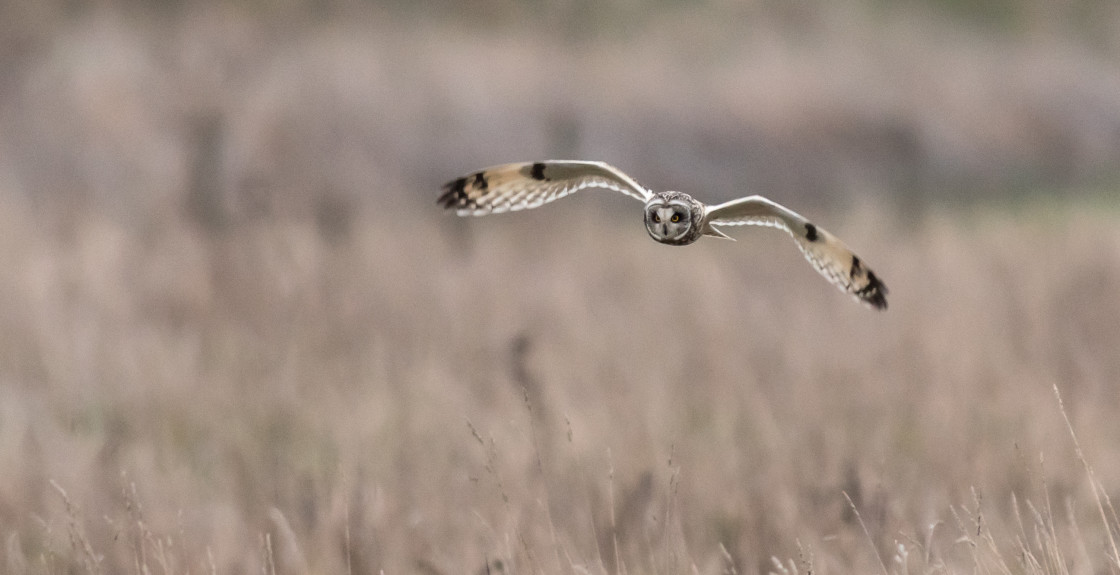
(828, 255)
(526, 185)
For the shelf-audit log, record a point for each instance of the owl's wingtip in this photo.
(454, 196)
(874, 294)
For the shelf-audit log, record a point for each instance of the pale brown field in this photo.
(239, 337)
(425, 399)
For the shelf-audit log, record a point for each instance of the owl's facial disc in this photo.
(668, 221)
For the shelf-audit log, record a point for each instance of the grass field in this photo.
(238, 335)
(431, 397)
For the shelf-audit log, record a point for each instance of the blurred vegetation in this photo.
(238, 334)
(230, 105)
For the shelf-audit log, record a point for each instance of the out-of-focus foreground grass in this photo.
(417, 397)
(237, 336)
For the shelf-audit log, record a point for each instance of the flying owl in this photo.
(672, 218)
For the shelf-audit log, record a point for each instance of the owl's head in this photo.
(673, 218)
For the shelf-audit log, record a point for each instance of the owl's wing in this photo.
(825, 251)
(521, 186)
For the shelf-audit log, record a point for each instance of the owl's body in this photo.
(672, 218)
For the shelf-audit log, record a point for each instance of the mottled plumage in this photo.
(672, 218)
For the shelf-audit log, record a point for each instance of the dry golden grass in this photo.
(239, 338)
(435, 397)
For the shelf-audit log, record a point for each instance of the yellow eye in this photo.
(657, 218)
(676, 218)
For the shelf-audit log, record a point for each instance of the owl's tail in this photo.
(711, 231)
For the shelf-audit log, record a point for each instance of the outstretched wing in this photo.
(521, 186)
(825, 251)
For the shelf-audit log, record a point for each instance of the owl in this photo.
(673, 218)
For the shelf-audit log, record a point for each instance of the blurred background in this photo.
(237, 335)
